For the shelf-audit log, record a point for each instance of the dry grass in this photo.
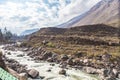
(62, 44)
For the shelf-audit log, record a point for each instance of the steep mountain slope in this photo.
(106, 12)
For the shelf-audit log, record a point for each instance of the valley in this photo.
(46, 42)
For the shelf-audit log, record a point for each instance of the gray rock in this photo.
(91, 70)
(85, 61)
(50, 59)
(115, 71)
(49, 70)
(64, 57)
(106, 57)
(25, 49)
(33, 73)
(70, 61)
(105, 72)
(20, 55)
(46, 55)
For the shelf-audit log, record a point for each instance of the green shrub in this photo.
(50, 44)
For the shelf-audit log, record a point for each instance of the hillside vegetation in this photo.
(91, 39)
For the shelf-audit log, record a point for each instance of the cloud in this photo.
(19, 15)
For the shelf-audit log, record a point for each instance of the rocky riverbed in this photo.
(44, 68)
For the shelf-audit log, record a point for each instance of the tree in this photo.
(1, 35)
(7, 34)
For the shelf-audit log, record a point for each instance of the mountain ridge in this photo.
(104, 12)
(28, 32)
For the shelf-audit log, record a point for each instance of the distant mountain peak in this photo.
(29, 31)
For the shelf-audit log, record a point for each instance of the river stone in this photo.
(33, 73)
(62, 72)
(20, 55)
(50, 59)
(49, 70)
(9, 53)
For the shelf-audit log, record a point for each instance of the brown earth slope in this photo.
(90, 38)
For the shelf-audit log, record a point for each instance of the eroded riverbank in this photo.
(46, 70)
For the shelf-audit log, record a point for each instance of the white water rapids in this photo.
(42, 67)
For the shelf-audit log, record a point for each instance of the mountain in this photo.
(71, 22)
(105, 12)
(30, 31)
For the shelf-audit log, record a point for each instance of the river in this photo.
(42, 67)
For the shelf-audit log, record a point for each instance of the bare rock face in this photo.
(33, 73)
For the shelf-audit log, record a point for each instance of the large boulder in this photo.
(33, 73)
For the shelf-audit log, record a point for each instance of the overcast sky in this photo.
(20, 15)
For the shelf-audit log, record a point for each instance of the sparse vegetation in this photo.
(50, 44)
(89, 39)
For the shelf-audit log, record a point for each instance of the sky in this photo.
(20, 15)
